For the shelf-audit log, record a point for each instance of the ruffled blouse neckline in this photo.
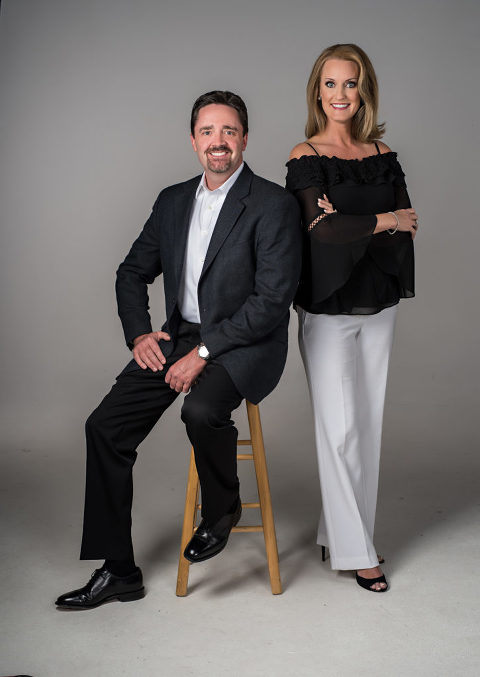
(335, 158)
(324, 170)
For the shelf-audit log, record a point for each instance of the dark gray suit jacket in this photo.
(248, 281)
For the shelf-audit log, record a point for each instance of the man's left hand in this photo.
(183, 373)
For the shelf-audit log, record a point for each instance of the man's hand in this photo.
(183, 373)
(146, 351)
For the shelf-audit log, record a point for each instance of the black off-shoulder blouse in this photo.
(346, 268)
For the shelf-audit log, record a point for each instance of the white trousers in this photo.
(346, 360)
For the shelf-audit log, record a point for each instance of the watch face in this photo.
(203, 352)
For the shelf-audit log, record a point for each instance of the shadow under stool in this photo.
(264, 503)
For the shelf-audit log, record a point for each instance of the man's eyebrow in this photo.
(235, 129)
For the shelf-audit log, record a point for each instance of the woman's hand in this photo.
(407, 221)
(326, 205)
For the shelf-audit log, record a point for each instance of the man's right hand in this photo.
(146, 351)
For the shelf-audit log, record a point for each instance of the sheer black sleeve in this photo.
(337, 228)
(335, 243)
(394, 254)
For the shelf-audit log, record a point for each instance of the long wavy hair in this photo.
(365, 127)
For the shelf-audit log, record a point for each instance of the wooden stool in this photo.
(265, 505)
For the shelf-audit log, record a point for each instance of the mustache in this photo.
(218, 149)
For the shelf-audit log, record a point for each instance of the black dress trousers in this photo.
(123, 420)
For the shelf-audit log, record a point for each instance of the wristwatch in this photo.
(202, 351)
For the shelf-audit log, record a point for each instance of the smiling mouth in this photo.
(218, 153)
(340, 106)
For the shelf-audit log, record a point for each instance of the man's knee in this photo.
(95, 423)
(197, 413)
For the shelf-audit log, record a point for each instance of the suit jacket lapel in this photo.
(183, 210)
(229, 214)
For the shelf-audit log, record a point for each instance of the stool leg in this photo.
(264, 497)
(188, 525)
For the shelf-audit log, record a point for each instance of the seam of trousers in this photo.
(365, 496)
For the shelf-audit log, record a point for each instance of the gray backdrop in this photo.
(95, 101)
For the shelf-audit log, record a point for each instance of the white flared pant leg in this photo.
(346, 361)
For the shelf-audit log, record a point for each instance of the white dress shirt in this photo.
(206, 208)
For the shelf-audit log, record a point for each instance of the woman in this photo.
(358, 263)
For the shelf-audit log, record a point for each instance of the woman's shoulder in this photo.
(304, 167)
(300, 150)
(383, 147)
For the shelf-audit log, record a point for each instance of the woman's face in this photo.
(340, 99)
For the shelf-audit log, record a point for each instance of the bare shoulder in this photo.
(301, 149)
(383, 147)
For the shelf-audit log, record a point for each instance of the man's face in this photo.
(219, 142)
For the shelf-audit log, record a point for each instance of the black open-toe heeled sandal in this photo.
(381, 560)
(368, 582)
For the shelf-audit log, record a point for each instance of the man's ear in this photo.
(194, 145)
(245, 139)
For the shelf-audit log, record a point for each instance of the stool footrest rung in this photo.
(244, 457)
(244, 505)
(246, 528)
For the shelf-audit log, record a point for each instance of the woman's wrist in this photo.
(386, 221)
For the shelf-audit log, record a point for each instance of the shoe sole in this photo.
(122, 597)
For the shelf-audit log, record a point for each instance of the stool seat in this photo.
(264, 503)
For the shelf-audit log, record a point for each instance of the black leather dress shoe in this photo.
(209, 540)
(102, 587)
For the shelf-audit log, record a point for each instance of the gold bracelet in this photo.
(315, 221)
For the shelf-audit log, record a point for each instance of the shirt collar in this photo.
(224, 188)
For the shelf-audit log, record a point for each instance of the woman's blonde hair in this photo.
(364, 124)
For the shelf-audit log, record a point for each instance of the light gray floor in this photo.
(230, 624)
(95, 102)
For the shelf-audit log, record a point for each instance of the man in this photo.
(228, 245)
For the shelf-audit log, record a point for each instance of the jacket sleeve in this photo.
(139, 269)
(278, 262)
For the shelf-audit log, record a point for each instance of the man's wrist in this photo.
(137, 339)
